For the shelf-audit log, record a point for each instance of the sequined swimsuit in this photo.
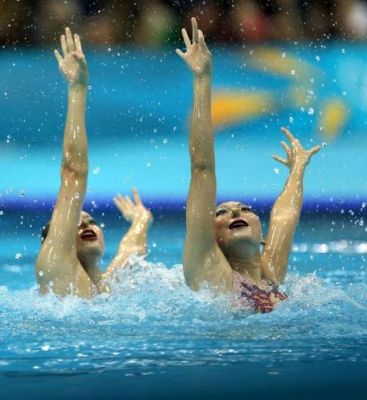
(252, 296)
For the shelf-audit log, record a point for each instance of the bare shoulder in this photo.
(61, 273)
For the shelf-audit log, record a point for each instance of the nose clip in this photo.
(236, 212)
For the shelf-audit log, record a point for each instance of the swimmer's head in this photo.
(237, 226)
(89, 239)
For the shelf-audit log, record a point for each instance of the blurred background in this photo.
(157, 22)
(293, 63)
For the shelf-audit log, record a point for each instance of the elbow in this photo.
(73, 169)
(201, 160)
(201, 165)
(75, 161)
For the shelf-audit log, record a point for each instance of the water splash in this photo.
(153, 320)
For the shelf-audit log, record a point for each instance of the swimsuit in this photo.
(252, 296)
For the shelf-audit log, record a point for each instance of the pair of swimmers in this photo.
(223, 245)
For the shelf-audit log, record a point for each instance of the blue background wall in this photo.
(137, 121)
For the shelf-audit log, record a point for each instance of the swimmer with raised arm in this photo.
(223, 244)
(73, 243)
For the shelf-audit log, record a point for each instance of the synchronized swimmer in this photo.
(73, 243)
(223, 246)
(223, 243)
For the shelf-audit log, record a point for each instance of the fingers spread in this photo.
(58, 56)
(129, 201)
(180, 54)
(286, 148)
(280, 159)
(136, 197)
(202, 41)
(194, 30)
(314, 150)
(288, 134)
(118, 200)
(78, 44)
(64, 46)
(186, 38)
(69, 39)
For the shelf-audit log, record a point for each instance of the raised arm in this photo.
(135, 240)
(57, 263)
(203, 260)
(286, 211)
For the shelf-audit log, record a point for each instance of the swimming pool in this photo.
(154, 338)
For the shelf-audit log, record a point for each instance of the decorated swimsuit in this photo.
(251, 296)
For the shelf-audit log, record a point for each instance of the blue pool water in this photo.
(154, 338)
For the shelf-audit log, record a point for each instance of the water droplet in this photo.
(45, 347)
(310, 111)
(96, 171)
(18, 256)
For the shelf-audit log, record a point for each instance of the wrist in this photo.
(203, 77)
(142, 219)
(78, 87)
(299, 167)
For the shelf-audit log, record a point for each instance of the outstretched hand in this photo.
(296, 154)
(133, 210)
(72, 62)
(197, 56)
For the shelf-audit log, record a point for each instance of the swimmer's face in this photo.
(90, 239)
(236, 224)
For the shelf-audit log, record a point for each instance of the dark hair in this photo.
(44, 232)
